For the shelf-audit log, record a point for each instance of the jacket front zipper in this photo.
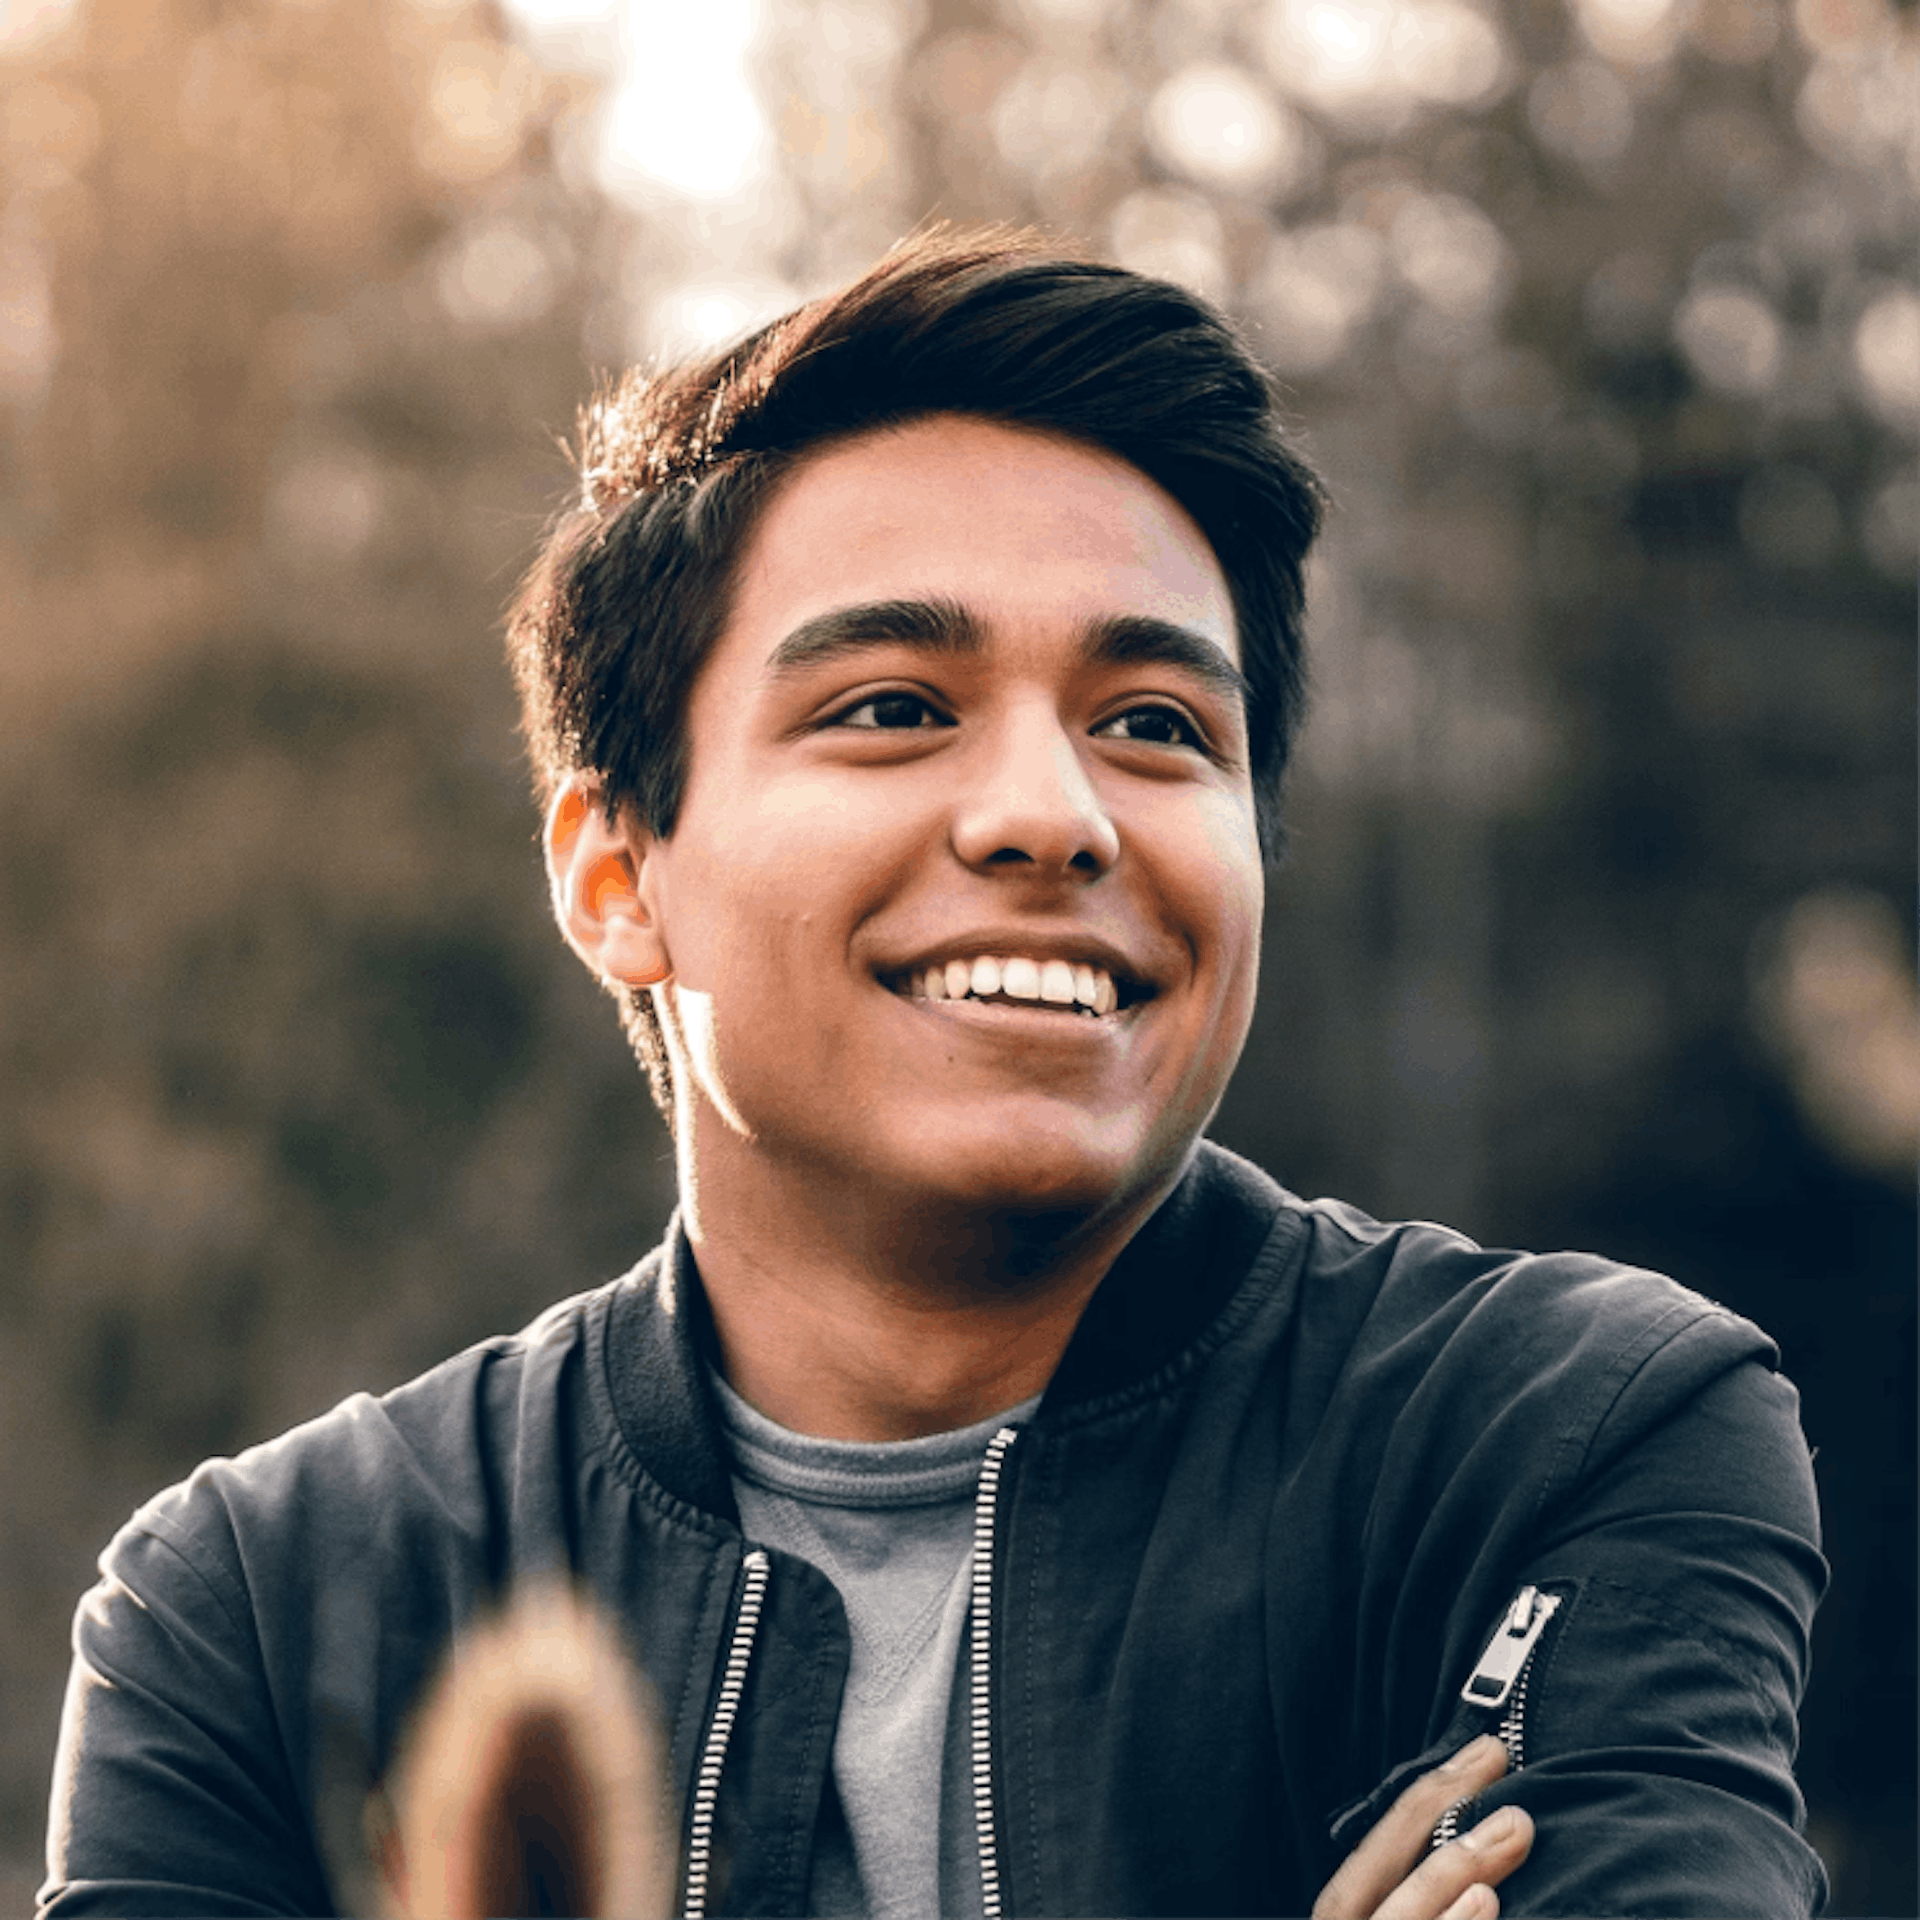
(755, 1568)
(980, 1695)
(1499, 1679)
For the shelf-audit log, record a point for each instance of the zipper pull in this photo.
(1492, 1680)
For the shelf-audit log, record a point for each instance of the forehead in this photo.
(1029, 531)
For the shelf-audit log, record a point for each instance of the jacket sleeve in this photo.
(172, 1792)
(1659, 1727)
(1656, 1727)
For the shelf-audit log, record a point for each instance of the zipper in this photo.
(755, 1570)
(1510, 1651)
(980, 1697)
(1499, 1679)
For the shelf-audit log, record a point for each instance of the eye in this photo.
(1157, 726)
(891, 713)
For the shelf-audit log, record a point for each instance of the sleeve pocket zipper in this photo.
(1499, 1682)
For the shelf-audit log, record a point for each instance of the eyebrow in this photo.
(929, 626)
(1120, 638)
(943, 626)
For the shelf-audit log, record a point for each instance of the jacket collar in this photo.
(660, 1343)
(1169, 1292)
(1175, 1280)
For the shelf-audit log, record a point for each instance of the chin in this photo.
(1066, 1170)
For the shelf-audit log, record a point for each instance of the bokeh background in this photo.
(1603, 317)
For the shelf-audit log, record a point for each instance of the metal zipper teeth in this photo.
(1513, 1723)
(985, 1512)
(1513, 1736)
(755, 1570)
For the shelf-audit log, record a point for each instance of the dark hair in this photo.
(631, 588)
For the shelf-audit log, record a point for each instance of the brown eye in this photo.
(891, 713)
(1157, 726)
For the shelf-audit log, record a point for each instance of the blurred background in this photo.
(1603, 317)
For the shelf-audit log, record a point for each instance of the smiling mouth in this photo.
(1014, 980)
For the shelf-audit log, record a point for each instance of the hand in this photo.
(1392, 1875)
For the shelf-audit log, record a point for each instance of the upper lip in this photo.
(1077, 949)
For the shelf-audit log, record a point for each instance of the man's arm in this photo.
(172, 1792)
(1660, 1725)
(1656, 1725)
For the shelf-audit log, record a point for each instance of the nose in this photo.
(1029, 804)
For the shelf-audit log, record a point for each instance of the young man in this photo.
(1018, 1505)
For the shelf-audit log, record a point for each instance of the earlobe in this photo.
(594, 871)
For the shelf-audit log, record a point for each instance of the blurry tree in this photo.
(301, 1097)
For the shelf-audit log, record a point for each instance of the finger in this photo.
(1479, 1902)
(1481, 1858)
(1393, 1847)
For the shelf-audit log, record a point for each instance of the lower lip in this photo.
(1038, 1021)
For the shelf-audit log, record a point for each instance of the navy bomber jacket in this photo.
(1283, 1500)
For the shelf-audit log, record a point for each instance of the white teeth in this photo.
(1020, 978)
(1059, 983)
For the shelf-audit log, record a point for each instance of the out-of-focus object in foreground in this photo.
(531, 1781)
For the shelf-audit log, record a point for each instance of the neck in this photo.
(859, 1318)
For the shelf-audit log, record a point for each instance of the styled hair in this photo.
(632, 586)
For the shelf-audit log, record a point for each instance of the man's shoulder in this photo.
(420, 1458)
(1409, 1276)
(1342, 1298)
(1413, 1329)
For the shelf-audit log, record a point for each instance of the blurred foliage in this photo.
(302, 1095)
(1602, 317)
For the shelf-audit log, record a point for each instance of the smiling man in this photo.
(960, 911)
(1018, 1504)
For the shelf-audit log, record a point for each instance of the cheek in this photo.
(760, 908)
(1220, 902)
(736, 892)
(1222, 889)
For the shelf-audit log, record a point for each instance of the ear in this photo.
(595, 872)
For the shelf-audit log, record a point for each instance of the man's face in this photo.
(977, 703)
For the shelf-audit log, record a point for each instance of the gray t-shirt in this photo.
(890, 1524)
